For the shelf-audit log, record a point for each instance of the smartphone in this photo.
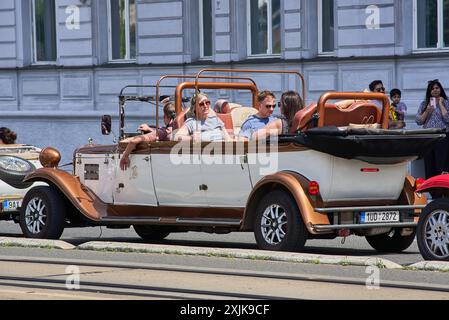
(433, 102)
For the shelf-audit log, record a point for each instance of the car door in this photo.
(134, 186)
(177, 174)
(225, 172)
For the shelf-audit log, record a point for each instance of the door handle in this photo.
(147, 159)
(203, 187)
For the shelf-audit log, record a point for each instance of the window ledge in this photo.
(44, 63)
(122, 61)
(326, 54)
(263, 56)
(430, 50)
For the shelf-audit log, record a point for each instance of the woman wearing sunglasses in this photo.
(202, 126)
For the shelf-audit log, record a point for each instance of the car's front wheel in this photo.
(278, 224)
(433, 231)
(392, 242)
(151, 233)
(42, 215)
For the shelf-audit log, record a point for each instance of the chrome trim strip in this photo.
(322, 227)
(178, 221)
(374, 208)
(220, 222)
(131, 220)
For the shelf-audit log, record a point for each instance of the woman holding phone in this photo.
(434, 113)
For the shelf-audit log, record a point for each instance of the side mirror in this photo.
(106, 124)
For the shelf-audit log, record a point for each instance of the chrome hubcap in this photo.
(437, 233)
(35, 215)
(274, 224)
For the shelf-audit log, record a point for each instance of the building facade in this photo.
(63, 62)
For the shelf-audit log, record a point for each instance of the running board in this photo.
(326, 227)
(175, 221)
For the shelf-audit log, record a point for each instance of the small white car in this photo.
(16, 162)
(326, 178)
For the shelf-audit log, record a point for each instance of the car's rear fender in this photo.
(438, 184)
(79, 195)
(294, 184)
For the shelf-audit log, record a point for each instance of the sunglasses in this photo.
(204, 103)
(433, 81)
(270, 106)
(382, 89)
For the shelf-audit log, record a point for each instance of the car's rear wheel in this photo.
(151, 233)
(433, 231)
(391, 242)
(278, 224)
(42, 215)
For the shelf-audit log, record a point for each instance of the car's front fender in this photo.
(438, 183)
(79, 195)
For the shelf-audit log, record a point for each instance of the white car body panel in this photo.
(229, 183)
(160, 179)
(103, 187)
(339, 179)
(177, 183)
(138, 183)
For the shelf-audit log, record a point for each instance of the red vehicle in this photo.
(433, 226)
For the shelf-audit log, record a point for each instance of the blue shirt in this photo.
(211, 129)
(254, 123)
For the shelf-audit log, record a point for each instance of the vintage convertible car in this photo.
(16, 162)
(433, 227)
(329, 177)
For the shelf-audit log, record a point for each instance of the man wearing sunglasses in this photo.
(267, 104)
(377, 86)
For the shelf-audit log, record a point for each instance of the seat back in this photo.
(239, 115)
(227, 120)
(358, 113)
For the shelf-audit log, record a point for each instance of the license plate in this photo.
(11, 205)
(379, 217)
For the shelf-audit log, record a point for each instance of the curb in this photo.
(431, 265)
(240, 254)
(35, 243)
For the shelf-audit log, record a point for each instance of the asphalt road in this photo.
(353, 246)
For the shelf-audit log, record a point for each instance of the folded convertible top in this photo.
(380, 146)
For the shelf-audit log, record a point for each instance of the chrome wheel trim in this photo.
(274, 224)
(436, 233)
(35, 215)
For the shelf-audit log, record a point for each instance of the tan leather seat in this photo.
(358, 113)
(239, 115)
(227, 120)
